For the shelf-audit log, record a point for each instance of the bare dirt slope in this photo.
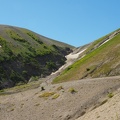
(108, 111)
(63, 101)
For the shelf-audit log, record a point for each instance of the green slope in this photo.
(98, 61)
(24, 54)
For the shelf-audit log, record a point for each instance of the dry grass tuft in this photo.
(47, 94)
(55, 96)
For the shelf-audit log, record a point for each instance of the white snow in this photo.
(74, 56)
(70, 60)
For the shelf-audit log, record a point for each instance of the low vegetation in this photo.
(110, 95)
(55, 96)
(72, 90)
(25, 54)
(98, 61)
(47, 94)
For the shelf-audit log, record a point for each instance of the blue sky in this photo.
(76, 22)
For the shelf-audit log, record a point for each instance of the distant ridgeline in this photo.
(25, 54)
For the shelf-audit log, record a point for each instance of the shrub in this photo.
(68, 68)
(51, 65)
(16, 77)
(54, 46)
(34, 78)
(87, 69)
(110, 95)
(35, 38)
(1, 91)
(72, 90)
(24, 72)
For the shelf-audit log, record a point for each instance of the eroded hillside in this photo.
(25, 54)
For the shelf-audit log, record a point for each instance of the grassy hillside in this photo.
(25, 54)
(100, 60)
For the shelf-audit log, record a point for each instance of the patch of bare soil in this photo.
(65, 101)
(109, 110)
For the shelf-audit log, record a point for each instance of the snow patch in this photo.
(70, 60)
(74, 56)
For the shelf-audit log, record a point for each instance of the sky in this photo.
(76, 22)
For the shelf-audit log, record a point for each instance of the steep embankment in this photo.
(24, 54)
(100, 59)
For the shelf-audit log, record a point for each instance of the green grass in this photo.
(99, 61)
